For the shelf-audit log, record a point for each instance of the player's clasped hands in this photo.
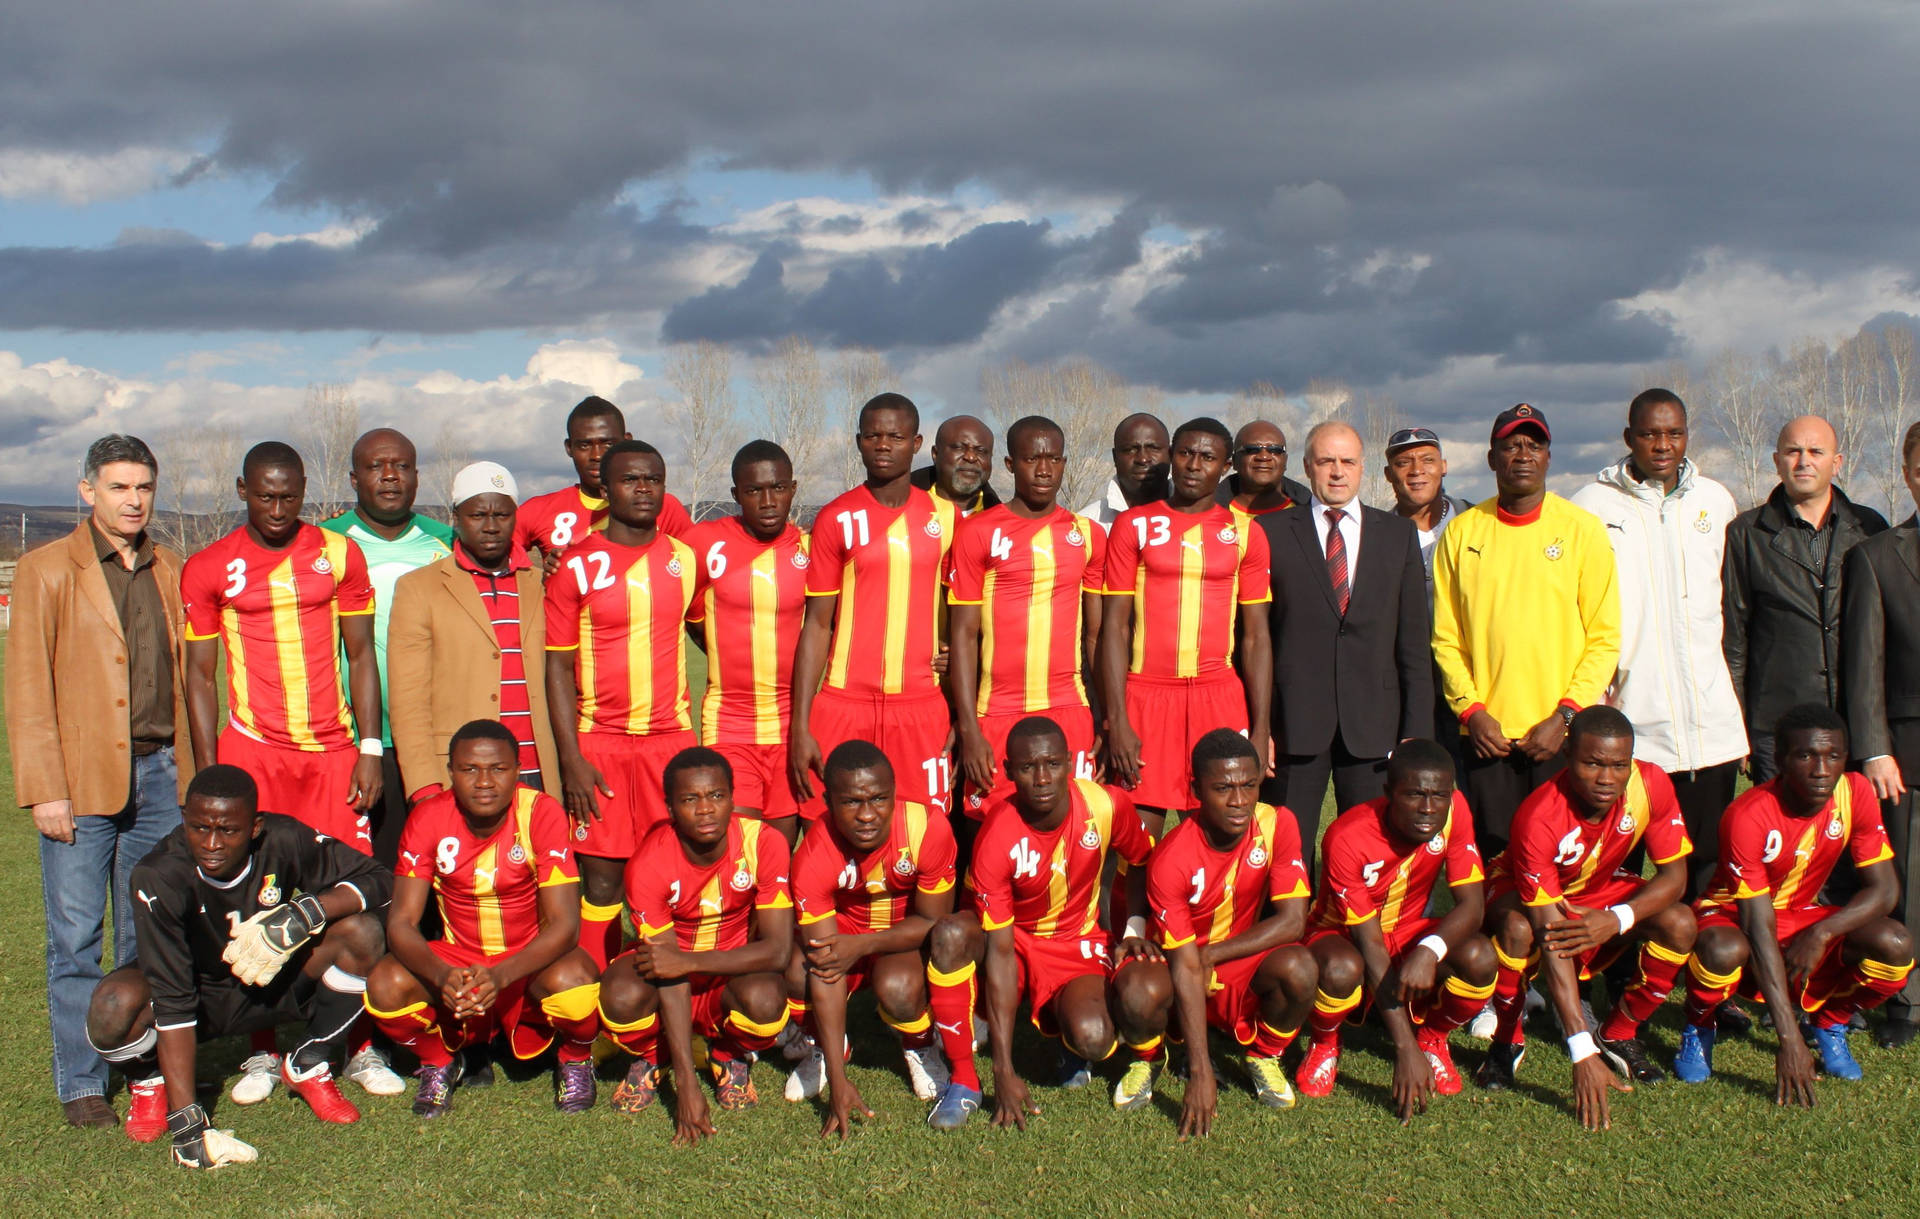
(469, 991)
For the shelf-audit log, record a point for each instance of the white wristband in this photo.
(1435, 945)
(1580, 1046)
(372, 748)
(1136, 929)
(1624, 913)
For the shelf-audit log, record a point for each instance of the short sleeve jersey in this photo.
(886, 566)
(488, 888)
(552, 522)
(277, 616)
(1765, 852)
(707, 908)
(1047, 884)
(622, 611)
(425, 541)
(1198, 895)
(750, 598)
(872, 891)
(1366, 874)
(1028, 577)
(1188, 575)
(183, 920)
(1555, 854)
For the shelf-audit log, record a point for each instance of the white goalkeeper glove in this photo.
(195, 1145)
(262, 944)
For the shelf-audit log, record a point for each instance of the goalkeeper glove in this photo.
(197, 1146)
(262, 944)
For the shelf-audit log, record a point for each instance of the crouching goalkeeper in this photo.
(246, 920)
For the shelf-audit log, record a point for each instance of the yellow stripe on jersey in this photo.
(1056, 866)
(588, 670)
(710, 701)
(706, 932)
(1100, 822)
(639, 624)
(1079, 611)
(290, 653)
(493, 937)
(236, 646)
(1040, 621)
(988, 638)
(1397, 893)
(764, 577)
(849, 595)
(899, 589)
(1193, 571)
(334, 546)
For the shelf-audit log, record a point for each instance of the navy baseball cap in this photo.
(1514, 418)
(1411, 438)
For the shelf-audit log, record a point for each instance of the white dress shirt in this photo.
(1349, 529)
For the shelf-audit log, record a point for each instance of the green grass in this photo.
(1718, 1149)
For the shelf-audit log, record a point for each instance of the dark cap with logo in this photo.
(1411, 438)
(1511, 420)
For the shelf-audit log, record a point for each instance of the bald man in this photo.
(1259, 482)
(962, 462)
(1139, 469)
(1781, 585)
(396, 540)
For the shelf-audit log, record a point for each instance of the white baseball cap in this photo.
(484, 478)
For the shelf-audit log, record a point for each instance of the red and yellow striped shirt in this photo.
(488, 889)
(622, 611)
(707, 908)
(277, 615)
(1364, 873)
(1028, 577)
(1556, 854)
(1766, 852)
(1047, 883)
(874, 891)
(552, 522)
(750, 596)
(1202, 896)
(885, 565)
(1188, 576)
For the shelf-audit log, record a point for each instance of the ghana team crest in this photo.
(800, 559)
(517, 854)
(742, 880)
(269, 891)
(1228, 535)
(1701, 524)
(1075, 537)
(1257, 857)
(933, 527)
(1555, 549)
(1436, 844)
(322, 566)
(580, 833)
(904, 864)
(1091, 839)
(1626, 823)
(673, 566)
(1833, 827)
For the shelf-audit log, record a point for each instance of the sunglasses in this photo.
(1255, 450)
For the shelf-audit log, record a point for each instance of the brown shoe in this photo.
(90, 1111)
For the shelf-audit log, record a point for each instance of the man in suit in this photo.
(1881, 650)
(1353, 669)
(467, 641)
(96, 716)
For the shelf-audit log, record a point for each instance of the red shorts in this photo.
(760, 779)
(508, 1016)
(1232, 1007)
(911, 729)
(1170, 714)
(310, 787)
(1404, 936)
(709, 995)
(634, 767)
(1047, 965)
(1827, 976)
(1076, 722)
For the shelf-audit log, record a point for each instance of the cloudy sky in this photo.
(480, 211)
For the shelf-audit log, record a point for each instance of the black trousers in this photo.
(1300, 782)
(1704, 795)
(1903, 828)
(389, 815)
(1496, 786)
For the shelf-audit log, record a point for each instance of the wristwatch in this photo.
(1566, 715)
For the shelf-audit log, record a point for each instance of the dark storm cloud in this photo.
(1545, 159)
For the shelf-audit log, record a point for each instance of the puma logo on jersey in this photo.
(768, 576)
(559, 855)
(710, 905)
(290, 587)
(146, 897)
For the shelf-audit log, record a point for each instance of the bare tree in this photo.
(198, 504)
(793, 401)
(1738, 397)
(861, 374)
(706, 418)
(1085, 399)
(1896, 412)
(1262, 400)
(450, 456)
(329, 424)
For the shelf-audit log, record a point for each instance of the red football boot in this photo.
(1319, 1068)
(1446, 1080)
(147, 1115)
(322, 1095)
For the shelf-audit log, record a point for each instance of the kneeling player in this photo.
(497, 858)
(1380, 864)
(1228, 893)
(1561, 881)
(1778, 844)
(869, 882)
(1034, 887)
(246, 920)
(701, 965)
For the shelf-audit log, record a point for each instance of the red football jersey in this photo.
(872, 892)
(1364, 874)
(1027, 577)
(1554, 854)
(277, 615)
(1048, 885)
(751, 597)
(885, 564)
(707, 908)
(1202, 896)
(488, 889)
(563, 518)
(1765, 851)
(621, 610)
(1188, 576)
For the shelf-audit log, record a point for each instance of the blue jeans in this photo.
(74, 879)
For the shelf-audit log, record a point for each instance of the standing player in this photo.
(1178, 572)
(1375, 941)
(1035, 921)
(1778, 844)
(1562, 885)
(620, 709)
(552, 522)
(750, 593)
(1025, 610)
(246, 920)
(872, 622)
(869, 883)
(276, 598)
(715, 920)
(494, 856)
(1228, 893)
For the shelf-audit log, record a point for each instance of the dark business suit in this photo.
(1346, 688)
(1880, 649)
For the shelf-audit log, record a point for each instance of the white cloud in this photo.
(1743, 303)
(79, 178)
(333, 236)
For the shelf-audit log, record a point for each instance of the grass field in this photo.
(1719, 1149)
